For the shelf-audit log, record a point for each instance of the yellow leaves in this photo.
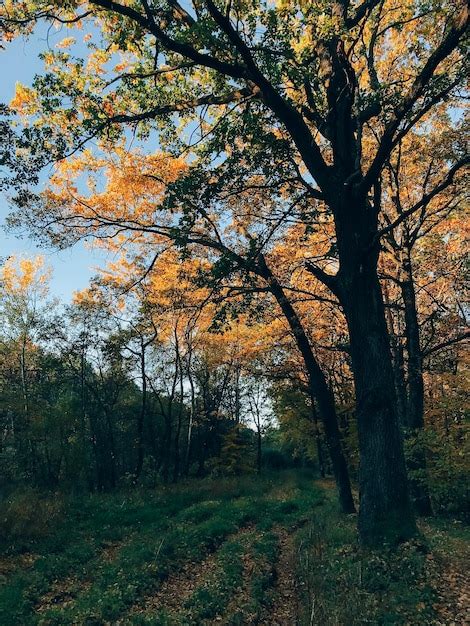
(88, 298)
(19, 275)
(24, 101)
(49, 58)
(96, 61)
(122, 186)
(66, 43)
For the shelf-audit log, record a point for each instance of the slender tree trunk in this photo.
(111, 452)
(142, 414)
(176, 459)
(192, 412)
(166, 452)
(320, 391)
(321, 463)
(414, 422)
(176, 464)
(25, 440)
(385, 510)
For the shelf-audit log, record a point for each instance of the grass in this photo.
(106, 556)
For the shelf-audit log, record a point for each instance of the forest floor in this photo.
(270, 550)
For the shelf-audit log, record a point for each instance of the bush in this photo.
(447, 467)
(27, 515)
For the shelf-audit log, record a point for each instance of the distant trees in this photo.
(104, 393)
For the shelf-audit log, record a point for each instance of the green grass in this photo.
(105, 556)
(344, 584)
(154, 535)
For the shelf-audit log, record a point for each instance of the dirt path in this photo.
(63, 592)
(448, 571)
(178, 587)
(284, 608)
(452, 584)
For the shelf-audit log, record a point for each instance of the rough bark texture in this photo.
(322, 394)
(385, 511)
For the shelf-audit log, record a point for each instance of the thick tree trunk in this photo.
(414, 421)
(320, 391)
(385, 511)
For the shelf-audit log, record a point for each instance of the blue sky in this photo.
(72, 268)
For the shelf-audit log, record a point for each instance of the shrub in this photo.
(27, 515)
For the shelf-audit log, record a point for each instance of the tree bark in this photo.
(414, 422)
(385, 510)
(320, 391)
(321, 463)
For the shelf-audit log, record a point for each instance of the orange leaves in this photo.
(19, 275)
(65, 43)
(124, 186)
(24, 101)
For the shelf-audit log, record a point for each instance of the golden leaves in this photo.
(20, 274)
(24, 101)
(66, 43)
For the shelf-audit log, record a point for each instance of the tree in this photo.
(260, 414)
(413, 216)
(24, 285)
(123, 215)
(310, 94)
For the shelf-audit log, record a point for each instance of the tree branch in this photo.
(388, 142)
(446, 344)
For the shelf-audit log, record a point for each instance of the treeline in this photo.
(90, 400)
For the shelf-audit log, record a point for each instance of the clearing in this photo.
(269, 550)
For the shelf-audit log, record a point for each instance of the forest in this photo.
(256, 411)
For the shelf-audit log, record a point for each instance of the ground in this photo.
(270, 550)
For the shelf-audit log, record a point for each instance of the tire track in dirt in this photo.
(179, 586)
(63, 593)
(284, 609)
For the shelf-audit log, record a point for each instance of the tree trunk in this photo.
(321, 463)
(142, 414)
(192, 413)
(166, 451)
(258, 449)
(320, 391)
(397, 360)
(415, 402)
(385, 511)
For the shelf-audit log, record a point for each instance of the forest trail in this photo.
(175, 590)
(251, 551)
(449, 572)
(453, 590)
(284, 607)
